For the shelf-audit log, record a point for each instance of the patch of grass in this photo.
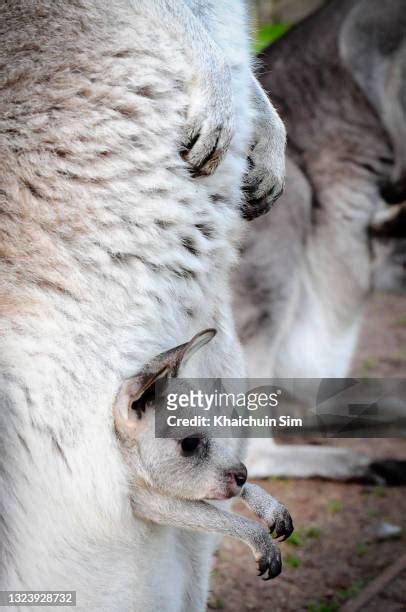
(322, 606)
(266, 34)
(340, 596)
(293, 560)
(277, 478)
(334, 506)
(379, 491)
(373, 512)
(351, 591)
(369, 363)
(312, 532)
(299, 535)
(361, 550)
(216, 603)
(295, 538)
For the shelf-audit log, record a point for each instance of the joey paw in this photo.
(270, 561)
(281, 524)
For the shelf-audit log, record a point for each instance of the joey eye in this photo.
(189, 446)
(139, 405)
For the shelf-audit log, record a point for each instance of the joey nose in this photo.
(240, 475)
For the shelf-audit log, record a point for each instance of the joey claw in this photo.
(283, 525)
(279, 521)
(269, 510)
(262, 567)
(270, 563)
(275, 567)
(273, 573)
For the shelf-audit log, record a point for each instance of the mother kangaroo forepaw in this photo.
(211, 121)
(254, 207)
(261, 189)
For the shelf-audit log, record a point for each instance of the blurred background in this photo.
(347, 534)
(271, 18)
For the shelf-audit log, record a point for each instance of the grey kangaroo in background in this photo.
(338, 80)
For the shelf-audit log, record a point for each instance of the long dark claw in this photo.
(262, 566)
(284, 528)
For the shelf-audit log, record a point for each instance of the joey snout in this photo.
(235, 478)
(229, 482)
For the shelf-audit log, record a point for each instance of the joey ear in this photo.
(172, 360)
(136, 391)
(372, 44)
(184, 352)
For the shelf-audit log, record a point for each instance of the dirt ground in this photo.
(382, 347)
(335, 551)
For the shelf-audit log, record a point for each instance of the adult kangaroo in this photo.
(125, 128)
(307, 271)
